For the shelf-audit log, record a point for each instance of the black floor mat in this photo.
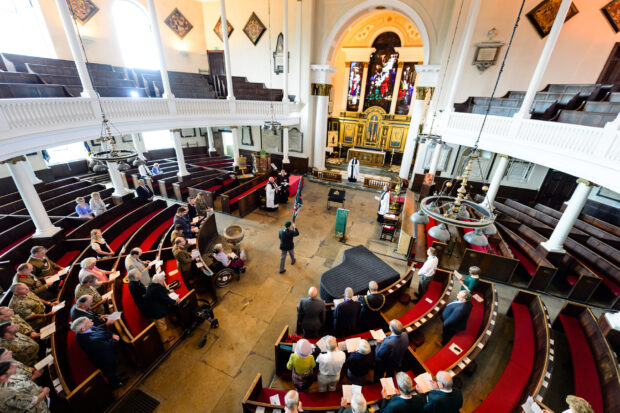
(137, 402)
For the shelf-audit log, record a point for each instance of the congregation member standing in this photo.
(283, 184)
(177, 232)
(389, 352)
(353, 169)
(82, 208)
(133, 260)
(427, 271)
(301, 363)
(455, 316)
(143, 171)
(99, 244)
(29, 306)
(136, 287)
(346, 315)
(143, 192)
(358, 364)
(202, 208)
(287, 243)
(100, 347)
(157, 305)
(310, 314)
(445, 398)
(330, 364)
(96, 204)
(181, 219)
(358, 405)
(19, 394)
(384, 203)
(372, 303)
(291, 402)
(191, 209)
(24, 349)
(42, 266)
(470, 280)
(271, 195)
(406, 401)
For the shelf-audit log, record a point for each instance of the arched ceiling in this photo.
(364, 31)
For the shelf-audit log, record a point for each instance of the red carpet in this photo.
(67, 258)
(530, 266)
(422, 306)
(113, 221)
(125, 235)
(150, 242)
(132, 315)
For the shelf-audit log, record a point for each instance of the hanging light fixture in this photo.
(419, 218)
(440, 232)
(490, 230)
(476, 237)
(272, 124)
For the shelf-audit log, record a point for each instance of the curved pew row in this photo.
(182, 189)
(165, 184)
(168, 172)
(244, 198)
(431, 304)
(149, 235)
(595, 369)
(212, 187)
(119, 232)
(598, 223)
(529, 367)
(68, 208)
(65, 197)
(105, 220)
(18, 204)
(40, 188)
(479, 328)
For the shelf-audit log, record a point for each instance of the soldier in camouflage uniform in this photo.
(18, 394)
(23, 371)
(30, 307)
(24, 275)
(24, 348)
(87, 287)
(7, 314)
(42, 266)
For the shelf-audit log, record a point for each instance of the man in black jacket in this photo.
(372, 303)
(136, 287)
(100, 347)
(455, 316)
(445, 399)
(157, 305)
(143, 192)
(81, 308)
(286, 243)
(346, 315)
(310, 314)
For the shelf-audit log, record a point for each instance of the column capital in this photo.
(285, 126)
(501, 155)
(321, 89)
(421, 92)
(584, 181)
(234, 127)
(14, 160)
(427, 75)
(175, 130)
(322, 73)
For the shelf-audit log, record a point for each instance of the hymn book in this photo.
(378, 335)
(478, 298)
(58, 306)
(51, 280)
(388, 386)
(530, 406)
(107, 295)
(275, 399)
(349, 390)
(353, 344)
(115, 316)
(49, 359)
(115, 275)
(424, 382)
(47, 330)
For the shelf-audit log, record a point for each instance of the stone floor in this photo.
(254, 311)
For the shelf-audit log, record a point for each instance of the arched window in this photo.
(23, 30)
(135, 36)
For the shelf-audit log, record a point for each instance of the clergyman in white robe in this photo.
(353, 169)
(270, 195)
(384, 203)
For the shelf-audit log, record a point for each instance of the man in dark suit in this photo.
(372, 303)
(81, 308)
(455, 316)
(286, 243)
(346, 315)
(390, 352)
(100, 347)
(444, 399)
(157, 305)
(136, 287)
(143, 192)
(310, 314)
(180, 218)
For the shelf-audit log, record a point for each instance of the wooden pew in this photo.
(244, 197)
(49, 194)
(68, 208)
(595, 368)
(213, 187)
(327, 175)
(181, 189)
(40, 187)
(104, 220)
(66, 197)
(605, 226)
(529, 369)
(148, 236)
(166, 185)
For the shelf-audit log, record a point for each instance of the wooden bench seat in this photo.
(602, 107)
(595, 119)
(24, 90)
(181, 189)
(229, 200)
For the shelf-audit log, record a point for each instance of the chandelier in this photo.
(272, 124)
(109, 152)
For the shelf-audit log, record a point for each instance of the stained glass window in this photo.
(355, 85)
(381, 75)
(405, 91)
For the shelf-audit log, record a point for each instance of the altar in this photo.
(367, 157)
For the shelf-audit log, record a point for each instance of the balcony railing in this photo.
(28, 125)
(583, 151)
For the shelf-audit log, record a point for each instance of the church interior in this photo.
(310, 205)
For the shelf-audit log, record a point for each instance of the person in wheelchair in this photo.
(227, 260)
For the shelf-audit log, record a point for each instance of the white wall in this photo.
(603, 200)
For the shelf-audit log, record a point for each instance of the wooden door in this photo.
(611, 71)
(216, 62)
(556, 189)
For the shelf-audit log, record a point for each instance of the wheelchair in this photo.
(223, 275)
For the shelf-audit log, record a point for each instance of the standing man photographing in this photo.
(287, 244)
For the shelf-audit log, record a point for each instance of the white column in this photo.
(432, 169)
(33, 177)
(463, 53)
(298, 97)
(138, 145)
(321, 86)
(210, 140)
(34, 206)
(76, 49)
(496, 180)
(229, 83)
(428, 76)
(568, 218)
(285, 45)
(235, 139)
(178, 149)
(360, 108)
(412, 134)
(117, 180)
(285, 144)
(160, 50)
(399, 76)
(543, 60)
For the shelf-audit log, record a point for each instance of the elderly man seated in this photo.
(389, 352)
(406, 401)
(23, 347)
(358, 405)
(100, 347)
(133, 260)
(7, 314)
(157, 305)
(18, 394)
(28, 306)
(83, 308)
(445, 398)
(24, 275)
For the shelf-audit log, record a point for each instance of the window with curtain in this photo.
(67, 153)
(159, 139)
(135, 37)
(23, 30)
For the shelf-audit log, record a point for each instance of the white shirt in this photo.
(223, 258)
(384, 203)
(331, 363)
(143, 171)
(429, 267)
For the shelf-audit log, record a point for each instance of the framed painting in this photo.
(178, 23)
(254, 29)
(612, 11)
(271, 141)
(218, 28)
(543, 15)
(83, 10)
